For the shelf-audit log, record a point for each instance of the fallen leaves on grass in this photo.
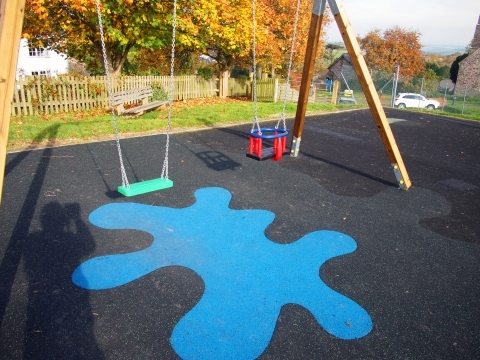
(195, 103)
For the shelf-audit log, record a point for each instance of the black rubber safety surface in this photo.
(416, 269)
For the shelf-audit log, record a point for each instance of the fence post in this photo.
(444, 98)
(275, 91)
(336, 87)
(395, 84)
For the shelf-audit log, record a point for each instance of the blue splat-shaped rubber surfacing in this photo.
(247, 277)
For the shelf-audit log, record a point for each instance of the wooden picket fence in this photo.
(46, 95)
(267, 90)
(239, 87)
(278, 90)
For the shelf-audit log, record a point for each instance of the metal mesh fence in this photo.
(453, 100)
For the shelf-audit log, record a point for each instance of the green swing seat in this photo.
(145, 187)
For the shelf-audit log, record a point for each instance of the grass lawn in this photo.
(27, 132)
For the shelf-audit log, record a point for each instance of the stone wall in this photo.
(469, 75)
(468, 79)
(476, 38)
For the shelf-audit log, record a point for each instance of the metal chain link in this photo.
(110, 96)
(287, 84)
(170, 91)
(254, 48)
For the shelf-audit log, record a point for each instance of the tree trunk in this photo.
(259, 72)
(115, 58)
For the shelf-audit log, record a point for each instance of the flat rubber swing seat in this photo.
(145, 187)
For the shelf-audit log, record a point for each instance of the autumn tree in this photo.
(71, 27)
(217, 28)
(395, 46)
(157, 62)
(276, 20)
(221, 29)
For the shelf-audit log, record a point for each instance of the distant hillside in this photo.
(442, 55)
(439, 59)
(443, 49)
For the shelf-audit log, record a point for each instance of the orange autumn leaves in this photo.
(220, 26)
(395, 46)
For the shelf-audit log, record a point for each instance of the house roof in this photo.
(344, 57)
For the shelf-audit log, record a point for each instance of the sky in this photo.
(441, 22)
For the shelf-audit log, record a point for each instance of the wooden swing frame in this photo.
(11, 20)
(364, 77)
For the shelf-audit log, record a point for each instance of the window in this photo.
(39, 52)
(41, 73)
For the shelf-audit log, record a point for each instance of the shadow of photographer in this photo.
(60, 319)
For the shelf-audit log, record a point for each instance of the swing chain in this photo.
(287, 84)
(170, 91)
(254, 50)
(110, 95)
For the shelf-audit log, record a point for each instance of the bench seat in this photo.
(139, 110)
(134, 95)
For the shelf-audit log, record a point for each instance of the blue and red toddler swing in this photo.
(256, 148)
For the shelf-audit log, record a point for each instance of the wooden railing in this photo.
(35, 95)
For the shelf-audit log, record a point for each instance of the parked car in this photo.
(412, 100)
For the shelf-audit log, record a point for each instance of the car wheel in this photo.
(430, 107)
(401, 106)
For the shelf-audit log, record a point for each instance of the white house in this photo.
(39, 61)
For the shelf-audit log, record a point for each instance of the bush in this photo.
(205, 73)
(240, 73)
(159, 92)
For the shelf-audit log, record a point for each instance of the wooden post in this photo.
(275, 90)
(308, 67)
(11, 21)
(371, 95)
(336, 87)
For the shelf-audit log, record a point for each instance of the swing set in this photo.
(11, 20)
(366, 82)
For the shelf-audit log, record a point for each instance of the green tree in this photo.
(332, 52)
(441, 72)
(456, 66)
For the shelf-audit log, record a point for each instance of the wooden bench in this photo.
(134, 95)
